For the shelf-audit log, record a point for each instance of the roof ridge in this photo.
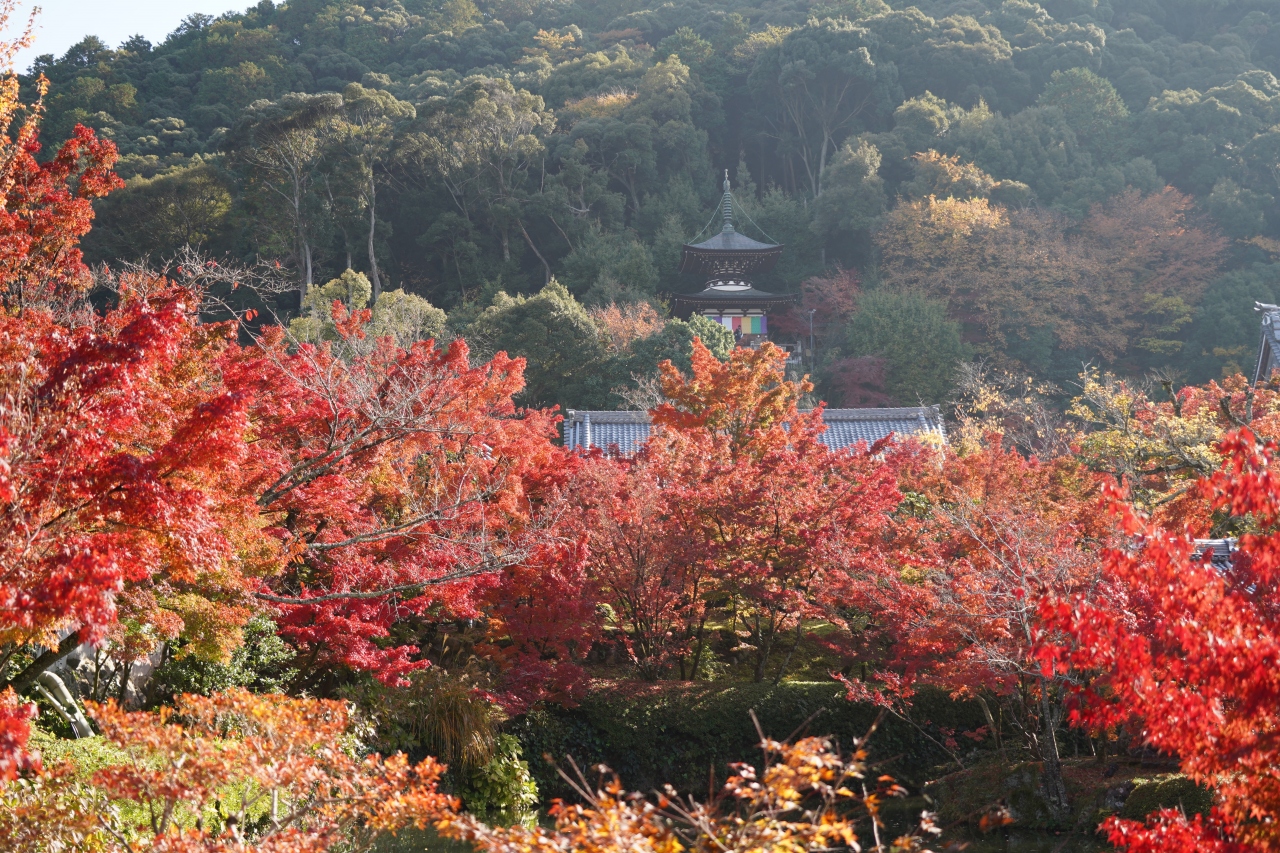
(642, 416)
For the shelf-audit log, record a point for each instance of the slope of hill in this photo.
(1004, 159)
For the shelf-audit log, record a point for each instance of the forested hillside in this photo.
(1036, 185)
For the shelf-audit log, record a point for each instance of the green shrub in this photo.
(1166, 792)
(87, 755)
(502, 792)
(260, 665)
(685, 733)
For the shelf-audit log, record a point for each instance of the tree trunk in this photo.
(545, 266)
(1054, 788)
(786, 662)
(125, 673)
(373, 255)
(697, 654)
(304, 247)
(56, 693)
(991, 721)
(762, 653)
(24, 680)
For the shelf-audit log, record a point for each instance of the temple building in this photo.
(728, 261)
(623, 433)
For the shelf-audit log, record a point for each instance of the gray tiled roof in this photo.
(1221, 551)
(627, 431)
(606, 430)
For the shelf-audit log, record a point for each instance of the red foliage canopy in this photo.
(396, 482)
(1193, 651)
(737, 496)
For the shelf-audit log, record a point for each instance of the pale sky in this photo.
(62, 23)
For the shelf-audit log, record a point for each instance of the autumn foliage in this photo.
(165, 478)
(806, 796)
(1190, 650)
(114, 448)
(1121, 283)
(734, 498)
(227, 773)
(391, 481)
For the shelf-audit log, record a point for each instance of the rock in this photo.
(1113, 798)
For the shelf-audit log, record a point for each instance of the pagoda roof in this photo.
(729, 240)
(729, 251)
(732, 296)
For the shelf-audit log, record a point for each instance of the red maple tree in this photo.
(753, 486)
(1003, 532)
(1191, 651)
(653, 576)
(396, 484)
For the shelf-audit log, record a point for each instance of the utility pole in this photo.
(813, 353)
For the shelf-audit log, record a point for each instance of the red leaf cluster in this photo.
(1192, 651)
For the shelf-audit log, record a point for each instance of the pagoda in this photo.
(729, 259)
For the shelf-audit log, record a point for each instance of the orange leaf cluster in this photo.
(806, 797)
(228, 773)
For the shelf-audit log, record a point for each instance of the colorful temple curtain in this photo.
(752, 325)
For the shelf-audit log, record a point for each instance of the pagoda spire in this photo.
(726, 205)
(728, 260)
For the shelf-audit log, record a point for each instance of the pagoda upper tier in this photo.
(728, 260)
(729, 255)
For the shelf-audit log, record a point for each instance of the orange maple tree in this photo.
(751, 484)
(1123, 280)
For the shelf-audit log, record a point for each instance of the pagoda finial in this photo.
(727, 204)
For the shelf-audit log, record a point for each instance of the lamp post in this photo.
(813, 355)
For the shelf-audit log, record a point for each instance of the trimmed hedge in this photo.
(680, 733)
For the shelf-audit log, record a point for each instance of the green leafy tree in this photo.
(260, 664)
(821, 79)
(556, 336)
(365, 136)
(854, 199)
(606, 268)
(154, 218)
(482, 141)
(406, 317)
(1093, 108)
(281, 144)
(919, 343)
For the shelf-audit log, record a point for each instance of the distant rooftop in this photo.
(625, 432)
(1221, 552)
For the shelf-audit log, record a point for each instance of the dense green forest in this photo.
(1035, 185)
